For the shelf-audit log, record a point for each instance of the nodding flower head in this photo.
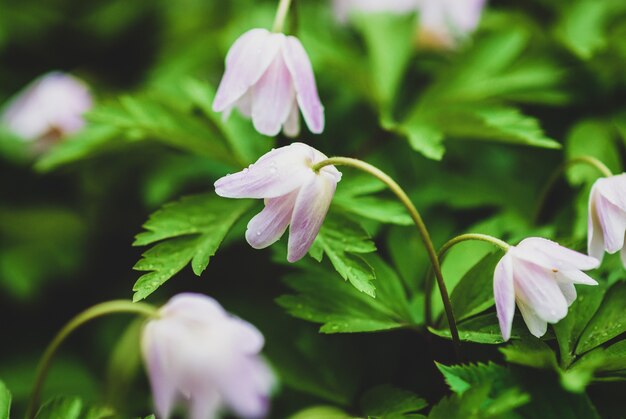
(607, 217)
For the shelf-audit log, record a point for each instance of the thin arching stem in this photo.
(99, 310)
(421, 228)
(281, 15)
(591, 161)
(442, 252)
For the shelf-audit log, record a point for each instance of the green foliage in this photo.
(343, 241)
(189, 230)
(72, 408)
(482, 329)
(608, 321)
(531, 352)
(475, 403)
(474, 292)
(341, 308)
(5, 401)
(388, 402)
(321, 412)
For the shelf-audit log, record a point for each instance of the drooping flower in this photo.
(444, 22)
(268, 76)
(295, 196)
(539, 275)
(49, 108)
(607, 217)
(199, 354)
(343, 8)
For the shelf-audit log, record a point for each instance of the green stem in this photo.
(99, 310)
(442, 252)
(591, 161)
(421, 228)
(281, 15)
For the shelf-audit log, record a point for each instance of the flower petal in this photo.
(301, 71)
(595, 236)
(292, 124)
(164, 391)
(205, 404)
(536, 325)
(569, 292)
(272, 97)
(504, 294)
(275, 174)
(309, 212)
(246, 61)
(575, 276)
(269, 225)
(537, 287)
(551, 255)
(613, 222)
(246, 387)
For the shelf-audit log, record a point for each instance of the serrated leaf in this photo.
(342, 240)
(193, 228)
(474, 292)
(322, 298)
(608, 322)
(481, 329)
(72, 408)
(5, 401)
(389, 402)
(583, 26)
(462, 377)
(476, 403)
(531, 352)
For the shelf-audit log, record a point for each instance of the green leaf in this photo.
(5, 401)
(593, 138)
(189, 230)
(342, 240)
(583, 26)
(481, 329)
(531, 352)
(124, 364)
(608, 322)
(424, 137)
(321, 412)
(462, 377)
(14, 148)
(387, 402)
(474, 292)
(322, 298)
(476, 403)
(388, 39)
(72, 408)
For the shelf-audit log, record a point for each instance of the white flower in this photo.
(197, 353)
(539, 275)
(444, 22)
(343, 8)
(295, 195)
(607, 217)
(268, 76)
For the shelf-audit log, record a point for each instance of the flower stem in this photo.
(591, 161)
(99, 310)
(281, 15)
(421, 228)
(442, 252)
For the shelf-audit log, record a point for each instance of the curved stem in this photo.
(281, 15)
(591, 161)
(442, 252)
(99, 310)
(421, 228)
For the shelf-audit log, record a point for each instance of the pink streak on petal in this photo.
(275, 174)
(265, 228)
(613, 222)
(246, 61)
(504, 294)
(309, 212)
(301, 71)
(272, 97)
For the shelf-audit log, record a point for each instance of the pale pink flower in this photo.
(199, 354)
(268, 76)
(295, 196)
(344, 8)
(539, 275)
(444, 22)
(607, 217)
(51, 107)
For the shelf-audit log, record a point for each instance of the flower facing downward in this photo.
(49, 108)
(607, 217)
(197, 353)
(268, 76)
(444, 22)
(343, 8)
(539, 275)
(295, 196)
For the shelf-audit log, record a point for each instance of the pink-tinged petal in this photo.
(569, 292)
(245, 337)
(275, 174)
(244, 104)
(623, 256)
(537, 287)
(246, 61)
(303, 78)
(613, 189)
(192, 305)
(164, 391)
(206, 405)
(272, 97)
(536, 325)
(265, 228)
(309, 212)
(613, 222)
(575, 276)
(247, 386)
(595, 236)
(551, 255)
(504, 294)
(292, 124)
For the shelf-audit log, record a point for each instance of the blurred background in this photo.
(541, 73)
